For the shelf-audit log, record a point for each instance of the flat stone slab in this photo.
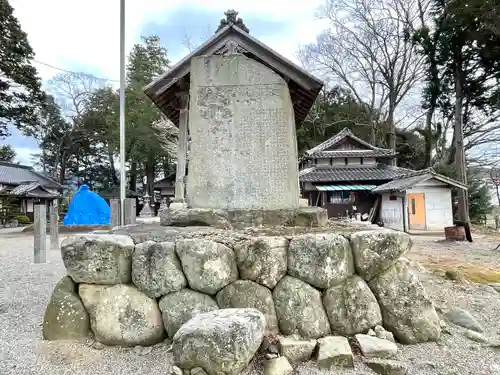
(297, 350)
(373, 347)
(464, 319)
(334, 350)
(387, 366)
(277, 366)
(236, 218)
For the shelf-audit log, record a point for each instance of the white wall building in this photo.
(418, 201)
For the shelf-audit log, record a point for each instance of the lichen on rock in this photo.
(209, 266)
(178, 307)
(156, 269)
(299, 309)
(98, 258)
(322, 260)
(65, 316)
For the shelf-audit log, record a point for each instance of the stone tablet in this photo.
(243, 152)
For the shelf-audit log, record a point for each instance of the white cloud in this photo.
(24, 155)
(84, 35)
(68, 33)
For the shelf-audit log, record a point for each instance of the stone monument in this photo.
(243, 145)
(237, 103)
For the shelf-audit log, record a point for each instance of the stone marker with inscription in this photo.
(237, 103)
(243, 146)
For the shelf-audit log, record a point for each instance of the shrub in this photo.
(23, 220)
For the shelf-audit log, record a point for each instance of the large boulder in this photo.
(98, 258)
(351, 307)
(156, 269)
(247, 294)
(262, 259)
(127, 317)
(65, 316)
(178, 307)
(376, 251)
(322, 260)
(221, 342)
(90, 295)
(209, 266)
(299, 309)
(407, 311)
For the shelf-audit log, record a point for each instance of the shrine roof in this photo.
(304, 87)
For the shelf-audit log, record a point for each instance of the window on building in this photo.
(345, 161)
(413, 210)
(338, 197)
(361, 160)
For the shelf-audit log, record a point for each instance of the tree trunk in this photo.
(463, 207)
(62, 171)
(133, 176)
(112, 169)
(373, 133)
(428, 137)
(391, 134)
(150, 175)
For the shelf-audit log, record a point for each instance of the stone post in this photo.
(146, 209)
(40, 222)
(130, 211)
(115, 212)
(180, 199)
(54, 227)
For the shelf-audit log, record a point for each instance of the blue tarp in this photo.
(87, 208)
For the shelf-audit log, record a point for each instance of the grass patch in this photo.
(471, 272)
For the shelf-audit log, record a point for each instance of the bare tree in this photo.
(72, 92)
(368, 50)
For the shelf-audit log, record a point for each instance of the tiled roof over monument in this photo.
(233, 37)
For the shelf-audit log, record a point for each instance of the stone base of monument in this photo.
(217, 292)
(301, 217)
(178, 205)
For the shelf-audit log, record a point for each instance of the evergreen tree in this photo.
(7, 154)
(146, 62)
(20, 88)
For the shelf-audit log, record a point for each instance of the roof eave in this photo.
(183, 67)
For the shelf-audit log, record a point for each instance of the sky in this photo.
(83, 36)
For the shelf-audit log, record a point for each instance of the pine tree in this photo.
(20, 87)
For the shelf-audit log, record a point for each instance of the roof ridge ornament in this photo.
(231, 19)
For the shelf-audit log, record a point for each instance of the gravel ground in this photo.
(27, 287)
(432, 249)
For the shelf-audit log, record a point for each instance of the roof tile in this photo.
(380, 172)
(14, 174)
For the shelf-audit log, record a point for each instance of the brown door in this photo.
(416, 211)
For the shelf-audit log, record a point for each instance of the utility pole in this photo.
(123, 178)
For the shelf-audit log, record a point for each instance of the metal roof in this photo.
(17, 174)
(331, 174)
(408, 180)
(345, 187)
(303, 87)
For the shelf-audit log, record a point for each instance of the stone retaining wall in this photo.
(311, 285)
